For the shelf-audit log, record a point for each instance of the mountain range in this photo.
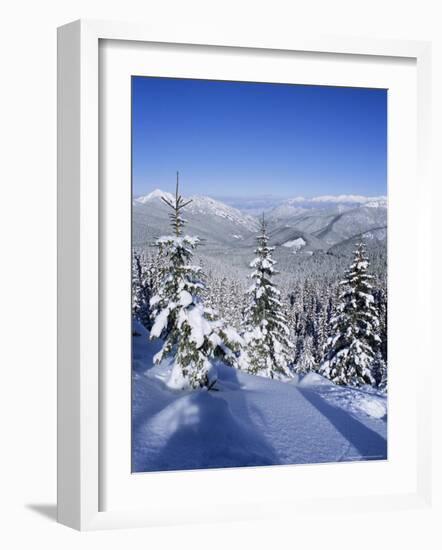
(325, 220)
(208, 218)
(301, 230)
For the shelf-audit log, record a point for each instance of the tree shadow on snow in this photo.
(242, 406)
(205, 433)
(368, 444)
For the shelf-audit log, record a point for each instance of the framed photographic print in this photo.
(266, 285)
(237, 276)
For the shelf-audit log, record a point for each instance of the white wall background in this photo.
(28, 276)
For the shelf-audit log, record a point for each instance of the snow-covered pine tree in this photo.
(380, 369)
(319, 325)
(350, 352)
(382, 305)
(307, 362)
(141, 290)
(190, 331)
(268, 350)
(135, 284)
(380, 372)
(155, 269)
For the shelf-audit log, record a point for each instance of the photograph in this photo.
(259, 274)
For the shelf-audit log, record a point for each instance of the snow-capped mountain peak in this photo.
(201, 204)
(295, 206)
(294, 200)
(347, 199)
(210, 219)
(380, 202)
(155, 194)
(206, 205)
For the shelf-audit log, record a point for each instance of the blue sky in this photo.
(236, 140)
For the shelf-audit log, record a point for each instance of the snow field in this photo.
(249, 420)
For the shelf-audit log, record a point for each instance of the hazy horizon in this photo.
(264, 203)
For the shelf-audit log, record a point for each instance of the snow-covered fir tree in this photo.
(351, 350)
(268, 349)
(141, 289)
(191, 332)
(155, 271)
(307, 362)
(380, 372)
(380, 369)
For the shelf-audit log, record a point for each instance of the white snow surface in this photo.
(201, 204)
(199, 325)
(296, 244)
(359, 199)
(155, 194)
(249, 421)
(211, 207)
(160, 323)
(380, 202)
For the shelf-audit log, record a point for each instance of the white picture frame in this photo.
(80, 261)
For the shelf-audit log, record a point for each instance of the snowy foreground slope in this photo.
(250, 421)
